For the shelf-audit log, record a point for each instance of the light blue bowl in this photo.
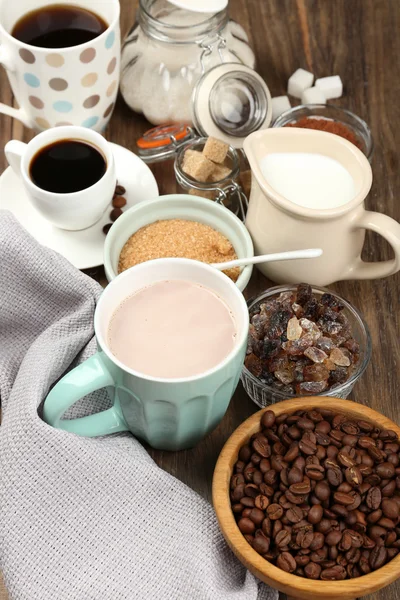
(178, 206)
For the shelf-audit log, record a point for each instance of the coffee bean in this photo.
(307, 446)
(245, 453)
(377, 557)
(353, 476)
(115, 214)
(118, 202)
(295, 499)
(356, 500)
(322, 490)
(389, 489)
(334, 573)
(334, 477)
(374, 498)
(267, 527)
(315, 472)
(238, 493)
(257, 516)
(315, 514)
(346, 460)
(261, 502)
(120, 190)
(248, 472)
(251, 490)
(107, 228)
(376, 532)
(385, 470)
(386, 523)
(304, 538)
(340, 510)
(368, 543)
(376, 454)
(286, 562)
(246, 526)
(301, 489)
(312, 570)
(266, 490)
(240, 466)
(236, 480)
(265, 465)
(294, 514)
(261, 445)
(268, 419)
(274, 511)
(261, 543)
(333, 538)
(283, 538)
(390, 508)
(302, 560)
(295, 475)
(366, 442)
(248, 502)
(318, 542)
(342, 498)
(271, 477)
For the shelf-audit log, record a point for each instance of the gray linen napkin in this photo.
(81, 518)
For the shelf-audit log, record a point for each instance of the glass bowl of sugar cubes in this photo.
(303, 341)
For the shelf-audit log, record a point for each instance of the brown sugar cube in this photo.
(245, 181)
(219, 172)
(187, 156)
(202, 194)
(197, 166)
(215, 150)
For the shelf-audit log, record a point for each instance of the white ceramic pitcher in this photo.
(276, 224)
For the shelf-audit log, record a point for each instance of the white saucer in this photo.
(84, 249)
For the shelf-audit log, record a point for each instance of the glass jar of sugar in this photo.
(168, 50)
(224, 189)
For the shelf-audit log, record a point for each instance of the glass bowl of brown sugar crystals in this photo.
(303, 340)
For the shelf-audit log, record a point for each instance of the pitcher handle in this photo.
(88, 377)
(389, 229)
(16, 113)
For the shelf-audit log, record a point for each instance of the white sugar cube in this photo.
(299, 81)
(279, 105)
(313, 96)
(331, 87)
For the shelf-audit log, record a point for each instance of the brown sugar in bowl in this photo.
(292, 585)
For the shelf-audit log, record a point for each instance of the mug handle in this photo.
(16, 113)
(389, 229)
(88, 377)
(14, 151)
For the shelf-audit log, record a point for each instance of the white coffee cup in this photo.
(72, 211)
(77, 85)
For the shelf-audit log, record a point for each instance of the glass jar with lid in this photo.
(168, 50)
(228, 103)
(226, 191)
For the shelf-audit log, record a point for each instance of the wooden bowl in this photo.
(294, 586)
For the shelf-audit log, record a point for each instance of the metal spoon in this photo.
(264, 258)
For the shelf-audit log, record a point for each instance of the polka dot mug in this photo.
(64, 86)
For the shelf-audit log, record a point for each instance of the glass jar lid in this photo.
(229, 102)
(162, 142)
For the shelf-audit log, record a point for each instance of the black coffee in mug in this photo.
(58, 26)
(67, 166)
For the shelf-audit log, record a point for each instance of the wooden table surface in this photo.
(358, 39)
